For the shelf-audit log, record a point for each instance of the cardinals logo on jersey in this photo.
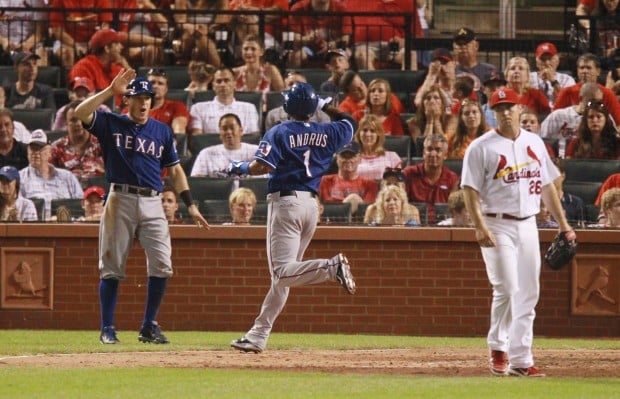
(511, 174)
(264, 148)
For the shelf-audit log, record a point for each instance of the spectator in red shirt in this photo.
(105, 60)
(356, 93)
(347, 185)
(73, 28)
(588, 70)
(247, 24)
(430, 181)
(379, 103)
(78, 151)
(316, 35)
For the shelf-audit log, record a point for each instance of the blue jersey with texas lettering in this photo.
(134, 154)
(300, 152)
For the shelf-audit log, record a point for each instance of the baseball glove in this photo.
(562, 250)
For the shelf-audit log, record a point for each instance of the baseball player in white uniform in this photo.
(505, 173)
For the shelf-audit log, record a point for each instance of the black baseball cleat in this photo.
(152, 334)
(343, 274)
(245, 345)
(108, 336)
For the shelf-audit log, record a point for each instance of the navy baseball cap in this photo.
(23, 56)
(351, 148)
(9, 172)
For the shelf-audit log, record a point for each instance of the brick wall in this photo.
(415, 281)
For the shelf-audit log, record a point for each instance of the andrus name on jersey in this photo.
(523, 173)
(145, 146)
(308, 139)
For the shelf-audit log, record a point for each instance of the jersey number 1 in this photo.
(307, 163)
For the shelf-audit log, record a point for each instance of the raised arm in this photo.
(85, 110)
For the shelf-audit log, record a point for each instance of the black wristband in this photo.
(186, 196)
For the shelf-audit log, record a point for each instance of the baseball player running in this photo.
(296, 153)
(135, 149)
(505, 173)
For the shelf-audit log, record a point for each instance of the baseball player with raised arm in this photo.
(135, 150)
(296, 153)
(505, 173)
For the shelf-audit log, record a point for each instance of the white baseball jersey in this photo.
(561, 123)
(206, 115)
(508, 174)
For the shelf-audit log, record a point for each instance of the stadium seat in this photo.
(336, 213)
(257, 185)
(53, 135)
(216, 211)
(74, 205)
(206, 188)
(399, 144)
(274, 100)
(595, 170)
(49, 75)
(586, 190)
(260, 213)
(423, 209)
(41, 118)
(251, 138)
(591, 213)
(39, 204)
(178, 77)
(178, 95)
(61, 97)
(454, 164)
(442, 212)
(200, 141)
(315, 76)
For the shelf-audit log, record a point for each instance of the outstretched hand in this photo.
(122, 79)
(200, 221)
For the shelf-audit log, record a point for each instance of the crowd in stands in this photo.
(228, 97)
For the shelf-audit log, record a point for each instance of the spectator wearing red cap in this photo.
(26, 92)
(517, 74)
(104, 62)
(465, 47)
(78, 151)
(73, 27)
(92, 203)
(80, 89)
(547, 79)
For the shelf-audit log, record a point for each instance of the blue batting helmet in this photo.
(300, 100)
(140, 85)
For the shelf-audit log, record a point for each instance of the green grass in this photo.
(172, 383)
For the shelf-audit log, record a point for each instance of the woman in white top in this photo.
(375, 158)
(14, 207)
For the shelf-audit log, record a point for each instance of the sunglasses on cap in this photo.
(156, 72)
(597, 105)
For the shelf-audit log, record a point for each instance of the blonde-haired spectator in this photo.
(610, 206)
(375, 159)
(517, 74)
(391, 208)
(241, 202)
(459, 216)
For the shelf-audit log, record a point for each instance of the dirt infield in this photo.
(415, 361)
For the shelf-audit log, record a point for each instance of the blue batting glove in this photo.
(238, 168)
(322, 102)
